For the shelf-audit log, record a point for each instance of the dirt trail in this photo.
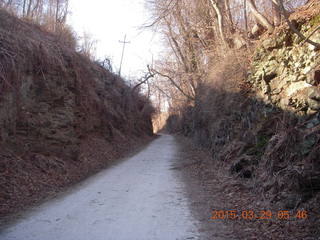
(142, 197)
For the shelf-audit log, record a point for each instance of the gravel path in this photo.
(140, 198)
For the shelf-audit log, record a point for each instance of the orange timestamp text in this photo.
(258, 215)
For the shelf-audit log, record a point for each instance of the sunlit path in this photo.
(140, 198)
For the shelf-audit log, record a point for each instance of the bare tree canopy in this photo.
(51, 13)
(196, 32)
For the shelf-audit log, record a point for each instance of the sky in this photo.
(108, 21)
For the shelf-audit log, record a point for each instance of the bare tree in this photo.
(50, 13)
(174, 84)
(88, 45)
(260, 18)
(199, 32)
(220, 17)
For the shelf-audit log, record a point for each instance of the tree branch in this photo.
(292, 27)
(173, 83)
(260, 18)
(146, 78)
(313, 32)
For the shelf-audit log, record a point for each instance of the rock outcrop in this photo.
(286, 71)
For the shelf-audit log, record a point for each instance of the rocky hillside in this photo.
(285, 70)
(259, 115)
(62, 117)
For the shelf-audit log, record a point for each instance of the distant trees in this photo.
(88, 45)
(50, 13)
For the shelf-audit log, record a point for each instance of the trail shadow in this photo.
(277, 148)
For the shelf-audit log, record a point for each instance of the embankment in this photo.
(62, 116)
(259, 115)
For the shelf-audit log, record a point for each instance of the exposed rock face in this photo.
(285, 71)
(61, 115)
(54, 97)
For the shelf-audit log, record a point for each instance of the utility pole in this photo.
(124, 45)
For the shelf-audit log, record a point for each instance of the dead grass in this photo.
(211, 185)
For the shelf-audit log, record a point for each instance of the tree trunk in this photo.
(220, 22)
(29, 8)
(186, 31)
(259, 17)
(24, 8)
(229, 15)
(57, 15)
(179, 51)
(9, 3)
(276, 13)
(245, 16)
(65, 11)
